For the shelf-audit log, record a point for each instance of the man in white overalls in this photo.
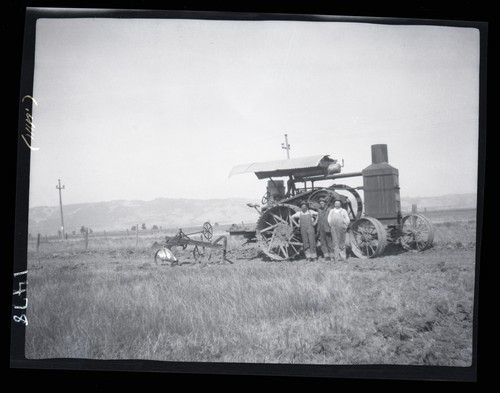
(339, 221)
(307, 220)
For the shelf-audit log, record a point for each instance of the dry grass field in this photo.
(113, 302)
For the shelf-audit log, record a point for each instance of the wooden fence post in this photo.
(137, 236)
(86, 239)
(105, 236)
(413, 208)
(38, 242)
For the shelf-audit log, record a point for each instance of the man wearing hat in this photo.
(307, 219)
(339, 221)
(325, 234)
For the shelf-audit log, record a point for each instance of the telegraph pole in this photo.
(286, 146)
(60, 205)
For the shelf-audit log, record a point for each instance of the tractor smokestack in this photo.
(379, 154)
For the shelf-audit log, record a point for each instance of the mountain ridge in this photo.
(182, 212)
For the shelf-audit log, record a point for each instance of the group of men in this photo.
(330, 222)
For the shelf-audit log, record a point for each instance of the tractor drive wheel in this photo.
(277, 234)
(368, 237)
(418, 233)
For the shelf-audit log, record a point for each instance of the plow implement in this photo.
(204, 249)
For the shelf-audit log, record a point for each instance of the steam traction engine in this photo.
(374, 223)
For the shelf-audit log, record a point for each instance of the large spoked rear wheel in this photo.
(418, 233)
(328, 195)
(351, 202)
(277, 235)
(368, 237)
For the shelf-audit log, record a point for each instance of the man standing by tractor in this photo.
(339, 221)
(307, 220)
(325, 233)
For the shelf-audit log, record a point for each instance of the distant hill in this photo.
(179, 213)
(122, 215)
(443, 202)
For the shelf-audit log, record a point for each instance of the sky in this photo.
(138, 109)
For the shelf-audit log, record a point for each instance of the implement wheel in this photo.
(207, 230)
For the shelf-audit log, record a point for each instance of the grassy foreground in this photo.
(117, 304)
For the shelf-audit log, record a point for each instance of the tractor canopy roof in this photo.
(298, 167)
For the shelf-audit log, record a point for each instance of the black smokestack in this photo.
(379, 154)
